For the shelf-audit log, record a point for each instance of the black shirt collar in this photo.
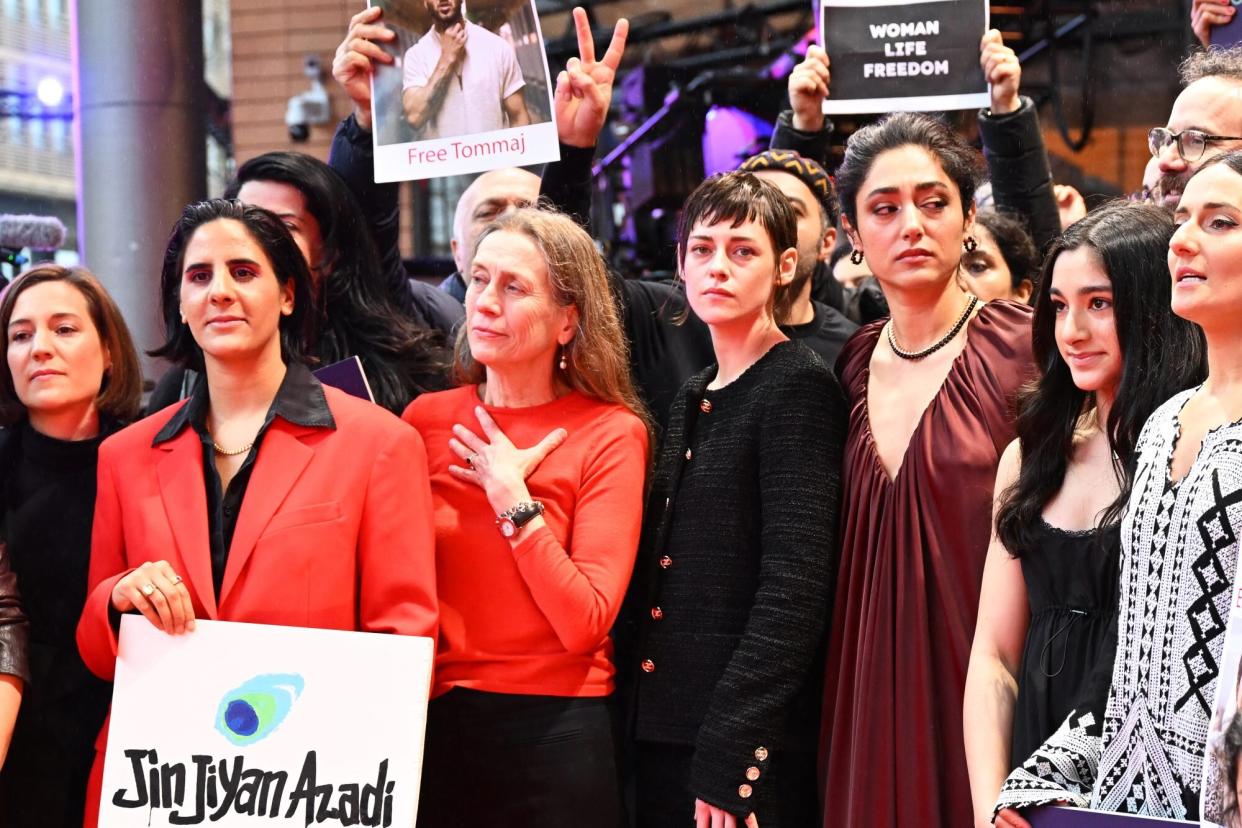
(299, 400)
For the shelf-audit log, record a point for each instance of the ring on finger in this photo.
(470, 460)
(147, 589)
(176, 579)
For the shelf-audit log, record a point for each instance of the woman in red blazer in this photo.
(265, 497)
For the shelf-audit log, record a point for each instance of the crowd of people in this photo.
(911, 501)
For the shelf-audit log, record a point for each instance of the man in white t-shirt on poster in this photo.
(461, 79)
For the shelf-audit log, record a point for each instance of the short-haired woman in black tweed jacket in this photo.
(732, 591)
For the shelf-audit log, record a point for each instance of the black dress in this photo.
(47, 503)
(1071, 586)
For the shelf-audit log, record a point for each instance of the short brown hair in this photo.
(597, 359)
(738, 197)
(120, 393)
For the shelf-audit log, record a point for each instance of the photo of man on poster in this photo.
(465, 88)
(461, 79)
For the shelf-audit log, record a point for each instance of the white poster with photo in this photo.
(249, 724)
(1218, 800)
(469, 89)
(904, 55)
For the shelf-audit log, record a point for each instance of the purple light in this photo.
(51, 92)
(730, 136)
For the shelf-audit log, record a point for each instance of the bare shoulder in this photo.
(1009, 466)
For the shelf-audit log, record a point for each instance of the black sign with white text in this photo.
(913, 55)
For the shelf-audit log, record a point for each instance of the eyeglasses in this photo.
(1190, 142)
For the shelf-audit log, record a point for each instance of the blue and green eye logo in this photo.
(252, 711)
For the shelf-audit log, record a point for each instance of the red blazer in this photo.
(335, 530)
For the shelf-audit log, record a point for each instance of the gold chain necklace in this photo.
(226, 453)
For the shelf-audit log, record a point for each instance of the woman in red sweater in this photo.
(537, 466)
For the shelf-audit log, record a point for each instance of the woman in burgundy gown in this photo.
(930, 393)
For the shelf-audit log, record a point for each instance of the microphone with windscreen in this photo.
(35, 232)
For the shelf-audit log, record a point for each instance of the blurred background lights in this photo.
(51, 92)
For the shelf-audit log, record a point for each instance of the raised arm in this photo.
(995, 658)
(352, 155)
(1014, 145)
(803, 127)
(583, 94)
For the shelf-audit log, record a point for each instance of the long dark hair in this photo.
(282, 251)
(356, 316)
(1161, 354)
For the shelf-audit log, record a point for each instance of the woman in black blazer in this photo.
(739, 540)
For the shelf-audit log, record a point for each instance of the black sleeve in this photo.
(801, 444)
(169, 389)
(813, 145)
(352, 158)
(566, 184)
(436, 309)
(1018, 167)
(14, 628)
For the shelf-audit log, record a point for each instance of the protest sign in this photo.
(1227, 34)
(469, 90)
(348, 376)
(1218, 785)
(249, 724)
(904, 55)
(1051, 817)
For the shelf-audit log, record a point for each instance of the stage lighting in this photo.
(51, 92)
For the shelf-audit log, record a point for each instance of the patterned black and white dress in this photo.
(1135, 742)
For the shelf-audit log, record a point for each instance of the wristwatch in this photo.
(512, 520)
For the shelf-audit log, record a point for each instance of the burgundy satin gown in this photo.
(912, 552)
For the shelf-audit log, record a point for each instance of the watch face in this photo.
(508, 528)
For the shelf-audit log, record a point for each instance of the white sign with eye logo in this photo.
(248, 724)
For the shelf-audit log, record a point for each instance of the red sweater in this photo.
(534, 619)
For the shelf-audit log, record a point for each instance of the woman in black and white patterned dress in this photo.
(1141, 751)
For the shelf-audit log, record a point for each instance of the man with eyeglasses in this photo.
(1206, 120)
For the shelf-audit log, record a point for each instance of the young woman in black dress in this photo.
(1110, 351)
(69, 379)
